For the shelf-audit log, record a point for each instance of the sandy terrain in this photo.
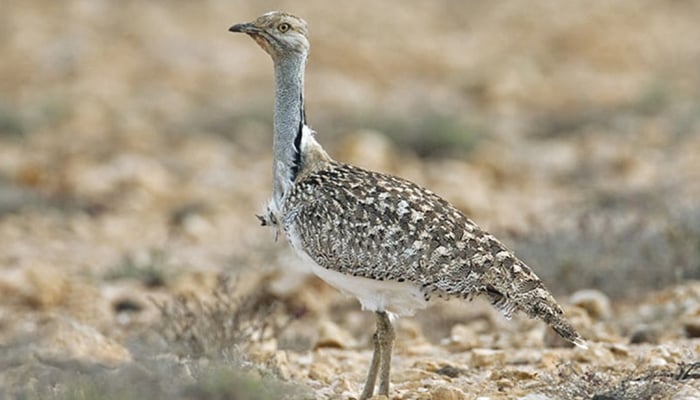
(135, 151)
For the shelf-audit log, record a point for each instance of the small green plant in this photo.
(151, 271)
(430, 134)
(11, 124)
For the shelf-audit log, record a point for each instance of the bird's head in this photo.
(279, 34)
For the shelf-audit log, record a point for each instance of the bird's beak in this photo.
(247, 27)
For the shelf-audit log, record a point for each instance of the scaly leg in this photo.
(386, 343)
(368, 391)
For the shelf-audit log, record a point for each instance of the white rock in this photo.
(535, 396)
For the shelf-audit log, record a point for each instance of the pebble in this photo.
(463, 338)
(410, 374)
(512, 374)
(619, 350)
(343, 385)
(595, 302)
(280, 364)
(691, 326)
(330, 365)
(487, 357)
(657, 362)
(449, 371)
(666, 353)
(320, 373)
(535, 396)
(644, 334)
(594, 354)
(418, 347)
(332, 336)
(447, 393)
(549, 360)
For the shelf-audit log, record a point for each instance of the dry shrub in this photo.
(222, 325)
(151, 270)
(655, 383)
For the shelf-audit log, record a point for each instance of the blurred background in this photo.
(135, 151)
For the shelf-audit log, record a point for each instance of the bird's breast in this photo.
(401, 298)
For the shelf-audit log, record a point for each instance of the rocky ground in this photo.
(135, 152)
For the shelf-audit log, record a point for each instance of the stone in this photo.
(619, 350)
(409, 374)
(449, 371)
(535, 396)
(320, 373)
(279, 363)
(549, 360)
(595, 353)
(595, 302)
(691, 326)
(331, 335)
(512, 374)
(644, 334)
(487, 357)
(463, 337)
(447, 393)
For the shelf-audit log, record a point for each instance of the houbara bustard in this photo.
(389, 242)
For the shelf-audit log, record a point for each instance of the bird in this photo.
(389, 242)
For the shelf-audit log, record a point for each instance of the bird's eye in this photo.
(283, 27)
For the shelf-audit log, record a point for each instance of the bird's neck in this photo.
(289, 120)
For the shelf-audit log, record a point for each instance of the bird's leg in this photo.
(368, 391)
(386, 343)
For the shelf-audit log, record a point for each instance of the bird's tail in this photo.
(514, 287)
